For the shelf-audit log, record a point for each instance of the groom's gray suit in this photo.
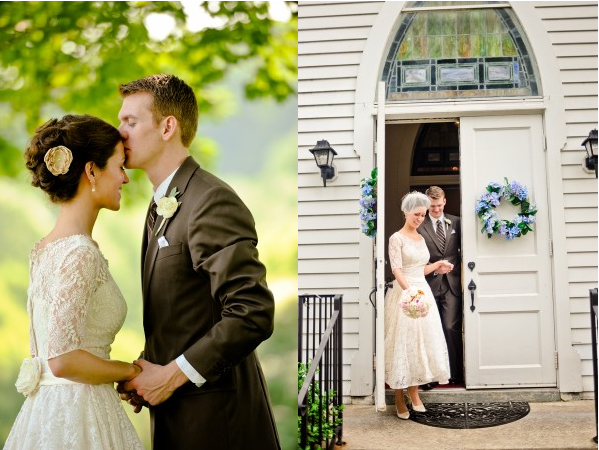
(447, 288)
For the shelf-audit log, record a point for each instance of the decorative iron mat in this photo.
(470, 415)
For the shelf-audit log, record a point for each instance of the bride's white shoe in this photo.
(404, 415)
(417, 408)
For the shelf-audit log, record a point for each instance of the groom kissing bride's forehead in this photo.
(206, 305)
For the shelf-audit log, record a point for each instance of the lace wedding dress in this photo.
(73, 303)
(415, 348)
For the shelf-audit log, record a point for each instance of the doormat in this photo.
(470, 415)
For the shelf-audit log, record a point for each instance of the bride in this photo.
(415, 348)
(74, 305)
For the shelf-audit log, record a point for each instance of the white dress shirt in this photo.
(181, 361)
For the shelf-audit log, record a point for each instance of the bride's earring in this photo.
(89, 168)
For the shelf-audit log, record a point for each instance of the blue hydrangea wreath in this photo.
(368, 204)
(517, 194)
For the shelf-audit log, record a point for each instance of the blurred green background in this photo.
(70, 57)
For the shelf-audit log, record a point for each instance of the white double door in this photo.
(509, 335)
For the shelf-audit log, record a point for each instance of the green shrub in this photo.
(317, 433)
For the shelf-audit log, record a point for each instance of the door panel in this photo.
(509, 337)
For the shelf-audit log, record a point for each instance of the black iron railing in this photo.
(320, 362)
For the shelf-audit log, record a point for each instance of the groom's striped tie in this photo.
(441, 235)
(151, 220)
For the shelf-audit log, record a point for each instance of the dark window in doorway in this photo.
(437, 150)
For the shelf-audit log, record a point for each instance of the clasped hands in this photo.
(152, 386)
(444, 266)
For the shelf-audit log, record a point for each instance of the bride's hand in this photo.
(444, 266)
(136, 371)
(132, 397)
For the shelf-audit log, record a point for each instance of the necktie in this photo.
(441, 235)
(151, 220)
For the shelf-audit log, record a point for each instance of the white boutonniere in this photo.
(447, 221)
(167, 207)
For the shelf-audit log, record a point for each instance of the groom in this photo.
(442, 234)
(206, 303)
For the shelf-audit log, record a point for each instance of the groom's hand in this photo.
(156, 383)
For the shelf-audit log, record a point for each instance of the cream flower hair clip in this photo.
(58, 160)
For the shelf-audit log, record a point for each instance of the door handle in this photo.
(472, 288)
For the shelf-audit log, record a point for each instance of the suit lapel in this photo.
(448, 231)
(149, 260)
(144, 242)
(430, 229)
(180, 180)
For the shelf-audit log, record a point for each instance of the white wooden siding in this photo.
(572, 28)
(332, 37)
(331, 40)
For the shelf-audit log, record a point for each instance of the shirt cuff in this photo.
(189, 371)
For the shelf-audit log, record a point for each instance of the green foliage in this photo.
(73, 54)
(70, 57)
(320, 428)
(275, 213)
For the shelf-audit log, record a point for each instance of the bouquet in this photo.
(414, 304)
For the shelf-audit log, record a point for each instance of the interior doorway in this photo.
(436, 156)
(511, 280)
(420, 155)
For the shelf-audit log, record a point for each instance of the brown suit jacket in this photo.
(452, 253)
(205, 296)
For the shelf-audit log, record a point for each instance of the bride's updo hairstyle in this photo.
(413, 200)
(86, 138)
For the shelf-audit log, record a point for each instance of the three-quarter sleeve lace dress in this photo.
(415, 348)
(73, 303)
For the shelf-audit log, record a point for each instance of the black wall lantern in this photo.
(590, 145)
(323, 155)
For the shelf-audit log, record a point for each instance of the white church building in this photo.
(455, 94)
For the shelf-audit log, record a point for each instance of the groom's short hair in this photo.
(172, 97)
(435, 192)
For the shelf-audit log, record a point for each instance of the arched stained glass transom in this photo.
(459, 50)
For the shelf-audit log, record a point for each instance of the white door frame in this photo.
(380, 254)
(552, 107)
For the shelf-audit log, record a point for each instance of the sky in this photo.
(161, 25)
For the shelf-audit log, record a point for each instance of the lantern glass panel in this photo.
(321, 157)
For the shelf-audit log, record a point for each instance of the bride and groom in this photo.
(206, 306)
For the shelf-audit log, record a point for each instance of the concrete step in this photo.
(460, 395)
